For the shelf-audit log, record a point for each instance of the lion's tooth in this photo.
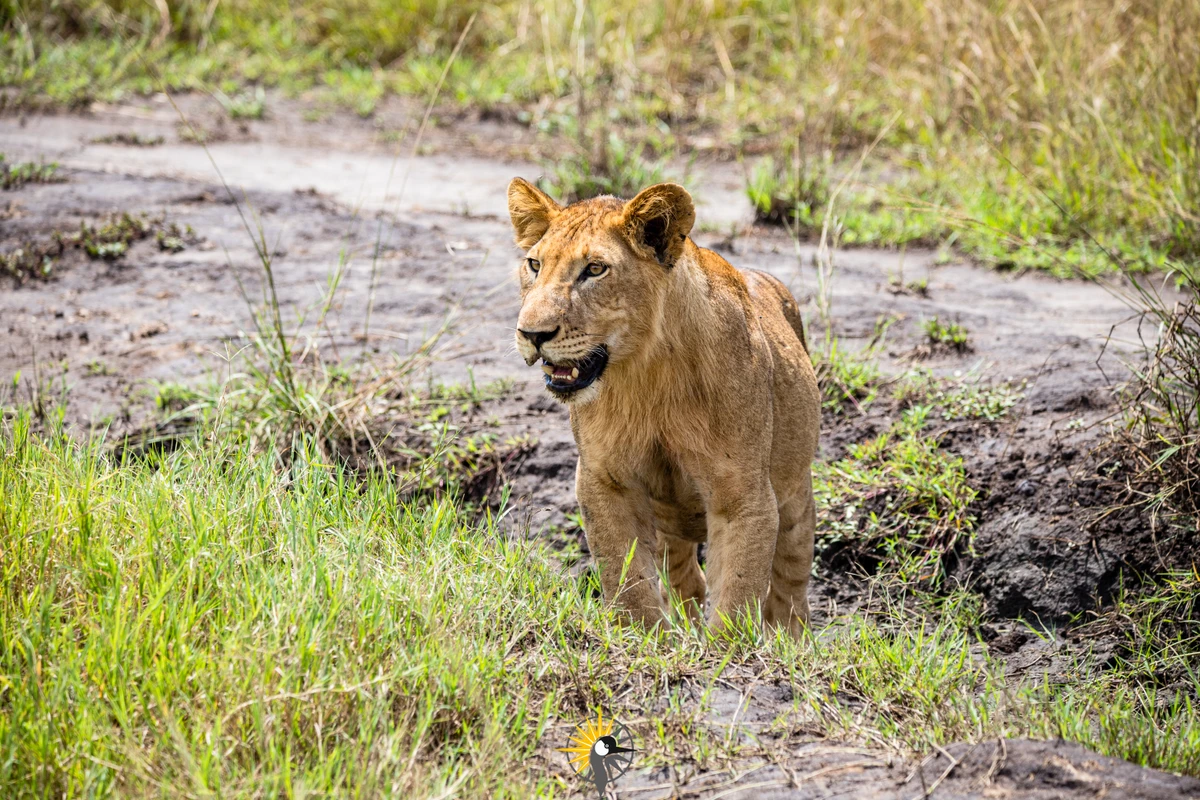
(546, 368)
(574, 373)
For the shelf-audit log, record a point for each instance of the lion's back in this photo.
(770, 291)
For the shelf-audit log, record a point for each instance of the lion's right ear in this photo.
(660, 218)
(532, 211)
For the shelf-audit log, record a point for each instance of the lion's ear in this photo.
(660, 218)
(531, 210)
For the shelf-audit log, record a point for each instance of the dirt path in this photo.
(110, 329)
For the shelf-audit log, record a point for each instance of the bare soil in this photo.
(1049, 546)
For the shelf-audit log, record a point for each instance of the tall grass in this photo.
(185, 628)
(1162, 401)
(1096, 105)
(209, 623)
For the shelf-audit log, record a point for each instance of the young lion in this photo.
(692, 400)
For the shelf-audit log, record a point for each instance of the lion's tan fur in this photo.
(704, 425)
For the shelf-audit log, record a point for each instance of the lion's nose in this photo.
(538, 338)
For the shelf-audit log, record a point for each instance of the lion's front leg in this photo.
(619, 527)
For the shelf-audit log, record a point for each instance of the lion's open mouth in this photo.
(566, 379)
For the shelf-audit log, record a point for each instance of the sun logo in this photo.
(584, 737)
(601, 746)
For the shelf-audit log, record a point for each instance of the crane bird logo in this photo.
(601, 746)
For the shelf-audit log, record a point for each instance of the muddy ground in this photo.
(1049, 546)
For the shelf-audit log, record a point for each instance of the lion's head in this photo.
(593, 279)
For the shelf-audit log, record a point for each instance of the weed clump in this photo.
(897, 498)
(248, 104)
(111, 238)
(847, 380)
(30, 260)
(965, 399)
(106, 240)
(612, 166)
(16, 175)
(793, 191)
(129, 139)
(1162, 403)
(947, 335)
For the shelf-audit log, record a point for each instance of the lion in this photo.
(692, 400)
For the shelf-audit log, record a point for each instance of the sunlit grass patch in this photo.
(791, 191)
(209, 624)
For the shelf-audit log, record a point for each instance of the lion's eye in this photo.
(595, 270)
(533, 264)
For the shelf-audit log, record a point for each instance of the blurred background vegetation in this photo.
(1015, 129)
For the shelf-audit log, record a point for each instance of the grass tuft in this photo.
(613, 167)
(16, 175)
(897, 501)
(794, 192)
(1162, 403)
(949, 335)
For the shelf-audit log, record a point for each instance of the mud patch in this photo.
(1022, 768)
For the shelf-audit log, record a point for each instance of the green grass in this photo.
(898, 501)
(793, 192)
(848, 380)
(16, 175)
(950, 335)
(223, 621)
(108, 239)
(612, 167)
(965, 397)
(1008, 129)
(249, 104)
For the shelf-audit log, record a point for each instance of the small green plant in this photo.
(30, 260)
(792, 191)
(174, 397)
(14, 176)
(972, 401)
(97, 368)
(615, 167)
(918, 287)
(251, 103)
(171, 241)
(964, 398)
(110, 239)
(356, 87)
(846, 378)
(106, 240)
(946, 334)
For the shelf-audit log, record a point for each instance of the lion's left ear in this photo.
(660, 218)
